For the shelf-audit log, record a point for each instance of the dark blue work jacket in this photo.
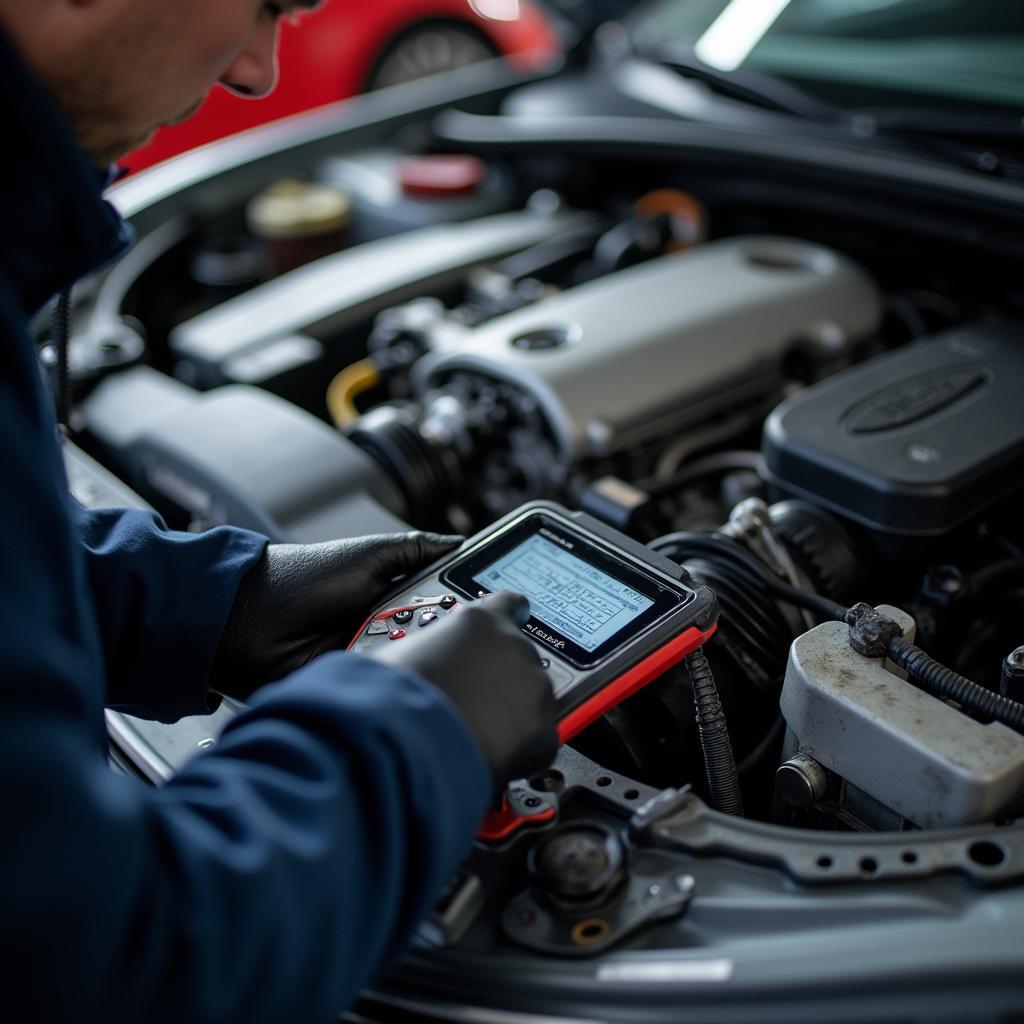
(277, 873)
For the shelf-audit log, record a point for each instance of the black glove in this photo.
(300, 600)
(492, 673)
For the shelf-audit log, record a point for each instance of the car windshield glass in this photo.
(946, 54)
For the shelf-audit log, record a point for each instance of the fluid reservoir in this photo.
(393, 192)
(299, 221)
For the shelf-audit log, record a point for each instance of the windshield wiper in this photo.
(753, 87)
(991, 143)
(981, 142)
(966, 126)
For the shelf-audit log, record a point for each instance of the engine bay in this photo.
(767, 378)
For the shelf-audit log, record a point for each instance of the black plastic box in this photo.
(914, 442)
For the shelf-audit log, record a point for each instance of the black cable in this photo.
(751, 618)
(754, 631)
(939, 680)
(752, 627)
(60, 325)
(708, 465)
(705, 543)
(769, 740)
(1008, 570)
(719, 763)
(821, 606)
(944, 682)
(936, 678)
(550, 255)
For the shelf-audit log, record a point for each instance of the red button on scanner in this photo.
(396, 634)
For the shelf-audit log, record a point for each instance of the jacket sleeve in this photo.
(162, 598)
(273, 877)
(269, 881)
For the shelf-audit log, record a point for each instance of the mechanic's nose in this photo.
(254, 71)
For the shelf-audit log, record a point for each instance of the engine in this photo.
(615, 367)
(759, 405)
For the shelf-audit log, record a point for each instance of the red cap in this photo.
(441, 176)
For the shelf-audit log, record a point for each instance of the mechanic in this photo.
(281, 871)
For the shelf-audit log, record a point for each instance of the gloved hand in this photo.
(493, 675)
(300, 600)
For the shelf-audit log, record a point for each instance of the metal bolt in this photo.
(943, 584)
(1012, 682)
(747, 518)
(801, 781)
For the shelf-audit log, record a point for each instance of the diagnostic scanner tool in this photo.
(607, 614)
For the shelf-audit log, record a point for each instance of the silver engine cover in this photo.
(651, 349)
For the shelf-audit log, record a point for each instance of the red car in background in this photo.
(350, 46)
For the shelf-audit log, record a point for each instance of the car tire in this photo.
(429, 49)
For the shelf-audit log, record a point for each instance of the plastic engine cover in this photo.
(911, 443)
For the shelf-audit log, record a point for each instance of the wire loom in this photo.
(754, 630)
(742, 583)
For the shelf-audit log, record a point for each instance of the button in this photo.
(447, 602)
(545, 663)
(402, 616)
(377, 627)
(396, 634)
(427, 618)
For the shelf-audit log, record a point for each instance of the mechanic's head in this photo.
(122, 68)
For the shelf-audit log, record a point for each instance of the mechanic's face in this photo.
(141, 64)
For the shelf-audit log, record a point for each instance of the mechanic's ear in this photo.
(253, 72)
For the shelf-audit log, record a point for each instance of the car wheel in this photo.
(429, 49)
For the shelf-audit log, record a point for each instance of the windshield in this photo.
(854, 53)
